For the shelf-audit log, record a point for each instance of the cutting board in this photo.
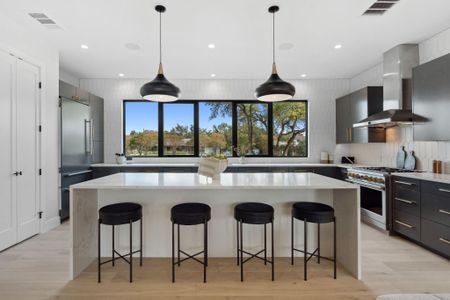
(410, 161)
(401, 157)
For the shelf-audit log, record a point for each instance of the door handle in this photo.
(404, 224)
(443, 211)
(444, 190)
(405, 183)
(405, 201)
(444, 240)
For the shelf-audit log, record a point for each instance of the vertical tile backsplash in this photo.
(385, 154)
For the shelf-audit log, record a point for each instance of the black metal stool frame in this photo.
(124, 256)
(240, 248)
(315, 253)
(189, 256)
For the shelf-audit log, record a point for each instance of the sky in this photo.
(144, 115)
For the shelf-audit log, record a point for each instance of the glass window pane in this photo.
(252, 129)
(289, 129)
(215, 132)
(141, 128)
(179, 129)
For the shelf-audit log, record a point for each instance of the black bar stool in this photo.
(313, 213)
(190, 214)
(118, 214)
(258, 214)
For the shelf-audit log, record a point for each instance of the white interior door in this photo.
(8, 228)
(27, 149)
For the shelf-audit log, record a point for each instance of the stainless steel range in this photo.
(375, 185)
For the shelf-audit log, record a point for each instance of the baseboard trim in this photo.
(50, 224)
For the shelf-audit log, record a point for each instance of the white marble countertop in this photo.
(444, 178)
(227, 181)
(250, 164)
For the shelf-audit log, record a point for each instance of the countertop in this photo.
(261, 164)
(443, 178)
(227, 181)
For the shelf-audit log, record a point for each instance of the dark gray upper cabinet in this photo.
(354, 107)
(431, 99)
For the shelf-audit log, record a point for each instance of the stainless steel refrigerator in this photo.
(81, 121)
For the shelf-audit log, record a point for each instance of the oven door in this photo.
(373, 206)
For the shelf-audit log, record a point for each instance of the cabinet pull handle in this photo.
(444, 240)
(405, 201)
(405, 183)
(444, 190)
(443, 211)
(404, 224)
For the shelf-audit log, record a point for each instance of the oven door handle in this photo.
(367, 185)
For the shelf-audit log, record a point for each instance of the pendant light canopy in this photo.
(160, 89)
(274, 89)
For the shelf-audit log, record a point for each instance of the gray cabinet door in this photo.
(358, 111)
(97, 112)
(342, 120)
(431, 99)
(66, 90)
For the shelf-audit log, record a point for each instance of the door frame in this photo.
(40, 159)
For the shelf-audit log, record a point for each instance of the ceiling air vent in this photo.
(380, 7)
(44, 20)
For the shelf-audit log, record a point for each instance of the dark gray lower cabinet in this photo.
(422, 213)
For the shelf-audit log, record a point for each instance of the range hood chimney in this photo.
(397, 89)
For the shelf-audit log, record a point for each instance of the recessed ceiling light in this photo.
(84, 46)
(303, 75)
(211, 46)
(121, 74)
(338, 46)
(213, 75)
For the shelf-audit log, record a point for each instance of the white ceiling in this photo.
(240, 29)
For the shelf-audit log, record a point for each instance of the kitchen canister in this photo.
(324, 157)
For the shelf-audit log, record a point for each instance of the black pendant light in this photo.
(274, 89)
(160, 89)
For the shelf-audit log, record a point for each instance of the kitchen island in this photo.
(158, 192)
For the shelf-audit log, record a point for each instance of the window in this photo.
(215, 128)
(289, 129)
(178, 129)
(140, 128)
(252, 129)
(203, 128)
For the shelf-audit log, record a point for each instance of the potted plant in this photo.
(212, 166)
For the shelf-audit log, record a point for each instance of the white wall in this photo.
(320, 93)
(68, 77)
(15, 39)
(384, 154)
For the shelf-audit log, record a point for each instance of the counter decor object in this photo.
(437, 167)
(212, 167)
(120, 158)
(410, 161)
(401, 157)
(324, 158)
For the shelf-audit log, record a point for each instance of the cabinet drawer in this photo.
(440, 189)
(436, 236)
(407, 224)
(436, 208)
(406, 183)
(407, 201)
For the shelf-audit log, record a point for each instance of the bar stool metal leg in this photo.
(292, 240)
(113, 245)
(205, 249)
(305, 248)
(265, 244)
(131, 251)
(98, 260)
(178, 243)
(237, 242)
(140, 238)
(173, 252)
(334, 246)
(241, 251)
(273, 252)
(318, 243)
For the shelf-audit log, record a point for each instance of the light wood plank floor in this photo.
(38, 269)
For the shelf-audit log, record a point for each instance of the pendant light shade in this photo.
(274, 89)
(160, 89)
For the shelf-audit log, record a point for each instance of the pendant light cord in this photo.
(160, 39)
(273, 37)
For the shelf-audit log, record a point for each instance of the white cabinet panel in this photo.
(8, 232)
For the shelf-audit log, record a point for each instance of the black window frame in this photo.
(234, 105)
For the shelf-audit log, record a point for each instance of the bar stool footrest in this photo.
(254, 255)
(189, 256)
(313, 254)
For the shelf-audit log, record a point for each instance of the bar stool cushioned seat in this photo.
(313, 212)
(254, 213)
(120, 213)
(190, 213)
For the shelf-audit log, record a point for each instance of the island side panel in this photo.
(348, 229)
(83, 227)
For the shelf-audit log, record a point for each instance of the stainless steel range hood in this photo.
(397, 90)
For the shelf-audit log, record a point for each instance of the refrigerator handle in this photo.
(88, 136)
(92, 137)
